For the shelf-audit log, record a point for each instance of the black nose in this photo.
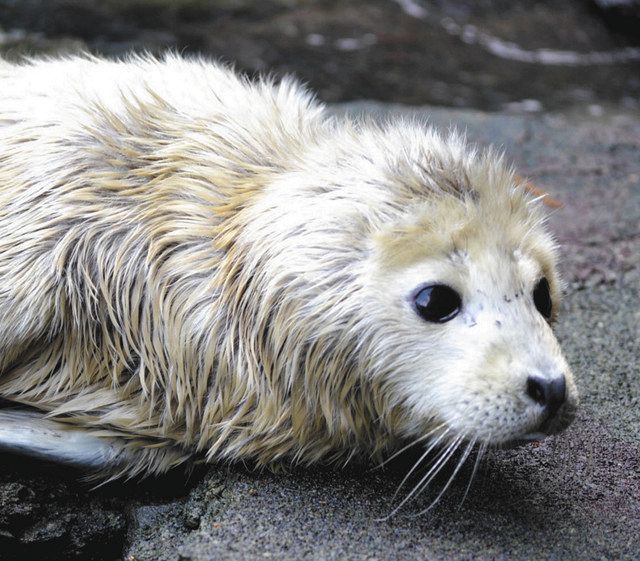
(548, 392)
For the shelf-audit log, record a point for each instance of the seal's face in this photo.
(486, 362)
(472, 345)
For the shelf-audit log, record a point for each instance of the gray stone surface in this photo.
(575, 496)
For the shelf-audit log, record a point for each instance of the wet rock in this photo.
(622, 16)
(48, 516)
(492, 55)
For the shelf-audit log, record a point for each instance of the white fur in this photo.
(191, 262)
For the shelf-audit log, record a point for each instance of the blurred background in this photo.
(510, 55)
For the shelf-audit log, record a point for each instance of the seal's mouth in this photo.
(549, 426)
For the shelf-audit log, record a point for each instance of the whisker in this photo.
(481, 451)
(426, 453)
(440, 461)
(424, 484)
(405, 448)
(460, 463)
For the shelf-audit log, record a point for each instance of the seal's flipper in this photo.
(106, 454)
(32, 434)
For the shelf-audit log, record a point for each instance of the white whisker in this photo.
(405, 448)
(460, 463)
(441, 460)
(415, 465)
(481, 451)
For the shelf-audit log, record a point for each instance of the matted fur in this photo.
(193, 262)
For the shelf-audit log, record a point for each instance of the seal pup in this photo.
(193, 263)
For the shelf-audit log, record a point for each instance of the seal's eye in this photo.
(437, 303)
(542, 298)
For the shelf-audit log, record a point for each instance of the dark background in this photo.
(516, 55)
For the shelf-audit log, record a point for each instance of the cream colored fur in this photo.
(190, 262)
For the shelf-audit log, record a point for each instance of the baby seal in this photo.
(193, 263)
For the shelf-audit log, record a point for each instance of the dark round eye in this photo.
(437, 303)
(542, 297)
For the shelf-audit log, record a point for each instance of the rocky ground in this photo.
(575, 496)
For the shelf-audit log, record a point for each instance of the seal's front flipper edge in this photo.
(32, 434)
(105, 454)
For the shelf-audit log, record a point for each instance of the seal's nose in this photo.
(551, 393)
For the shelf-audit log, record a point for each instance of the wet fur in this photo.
(193, 263)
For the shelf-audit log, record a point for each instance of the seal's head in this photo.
(423, 288)
(464, 282)
(399, 284)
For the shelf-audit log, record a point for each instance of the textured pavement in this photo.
(575, 496)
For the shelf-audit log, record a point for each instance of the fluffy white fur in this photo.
(190, 262)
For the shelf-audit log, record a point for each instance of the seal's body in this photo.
(190, 262)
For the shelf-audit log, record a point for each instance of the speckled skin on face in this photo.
(191, 263)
